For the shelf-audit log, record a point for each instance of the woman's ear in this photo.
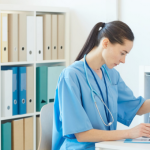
(105, 42)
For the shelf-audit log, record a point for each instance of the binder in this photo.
(37, 132)
(4, 48)
(47, 37)
(22, 37)
(14, 88)
(41, 87)
(17, 135)
(28, 133)
(22, 89)
(6, 93)
(39, 38)
(30, 38)
(30, 89)
(61, 36)
(54, 36)
(6, 136)
(53, 75)
(13, 37)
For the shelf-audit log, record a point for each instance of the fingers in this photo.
(147, 124)
(147, 129)
(146, 134)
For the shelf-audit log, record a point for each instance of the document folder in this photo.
(30, 89)
(6, 93)
(41, 87)
(47, 48)
(14, 88)
(22, 37)
(54, 36)
(4, 42)
(22, 89)
(61, 36)
(28, 133)
(39, 38)
(53, 75)
(17, 135)
(13, 37)
(6, 136)
(37, 131)
(30, 38)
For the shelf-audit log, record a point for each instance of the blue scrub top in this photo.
(75, 111)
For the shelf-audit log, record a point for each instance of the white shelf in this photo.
(11, 8)
(16, 63)
(37, 113)
(51, 61)
(18, 116)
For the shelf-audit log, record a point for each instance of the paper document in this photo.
(138, 140)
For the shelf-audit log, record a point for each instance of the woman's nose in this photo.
(123, 59)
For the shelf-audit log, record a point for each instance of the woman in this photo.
(91, 95)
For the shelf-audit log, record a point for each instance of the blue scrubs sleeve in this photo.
(128, 104)
(72, 114)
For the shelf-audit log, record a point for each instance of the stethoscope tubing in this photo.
(93, 91)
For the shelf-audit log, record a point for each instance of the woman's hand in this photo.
(142, 129)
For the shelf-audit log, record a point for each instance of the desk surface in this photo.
(120, 145)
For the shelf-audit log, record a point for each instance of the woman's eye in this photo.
(122, 53)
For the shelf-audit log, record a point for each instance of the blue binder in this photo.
(22, 89)
(15, 88)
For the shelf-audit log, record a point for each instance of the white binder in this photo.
(39, 38)
(6, 93)
(30, 38)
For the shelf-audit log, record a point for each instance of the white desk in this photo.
(120, 145)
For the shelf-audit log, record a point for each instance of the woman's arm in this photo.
(145, 108)
(95, 135)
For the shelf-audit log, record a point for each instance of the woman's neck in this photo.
(94, 59)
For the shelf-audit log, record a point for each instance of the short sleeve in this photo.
(72, 114)
(128, 104)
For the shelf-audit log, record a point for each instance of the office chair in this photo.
(46, 123)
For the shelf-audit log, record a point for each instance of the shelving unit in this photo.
(34, 10)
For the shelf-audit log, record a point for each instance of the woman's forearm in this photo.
(95, 135)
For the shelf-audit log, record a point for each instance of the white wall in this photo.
(86, 13)
(135, 13)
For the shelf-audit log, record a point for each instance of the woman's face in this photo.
(114, 54)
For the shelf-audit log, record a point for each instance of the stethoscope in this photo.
(93, 92)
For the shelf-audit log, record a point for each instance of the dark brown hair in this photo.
(115, 31)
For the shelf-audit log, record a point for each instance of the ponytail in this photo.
(91, 41)
(115, 31)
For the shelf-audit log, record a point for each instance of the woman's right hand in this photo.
(140, 130)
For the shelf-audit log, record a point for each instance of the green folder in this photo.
(41, 87)
(53, 75)
(6, 136)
